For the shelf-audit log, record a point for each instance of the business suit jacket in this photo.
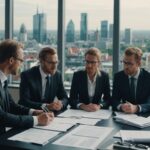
(31, 89)
(79, 89)
(12, 114)
(121, 90)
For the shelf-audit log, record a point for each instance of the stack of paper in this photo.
(36, 136)
(84, 136)
(132, 119)
(135, 136)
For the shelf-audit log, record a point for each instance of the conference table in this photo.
(6, 144)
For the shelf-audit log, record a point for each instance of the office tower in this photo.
(39, 27)
(111, 31)
(23, 33)
(83, 27)
(104, 29)
(70, 35)
(128, 36)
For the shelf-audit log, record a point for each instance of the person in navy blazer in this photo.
(12, 114)
(122, 98)
(33, 83)
(90, 89)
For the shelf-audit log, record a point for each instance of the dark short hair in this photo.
(95, 52)
(8, 49)
(135, 51)
(46, 51)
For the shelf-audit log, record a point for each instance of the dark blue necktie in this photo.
(47, 88)
(6, 100)
(132, 88)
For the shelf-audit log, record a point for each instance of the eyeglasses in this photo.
(87, 62)
(52, 62)
(21, 60)
(127, 63)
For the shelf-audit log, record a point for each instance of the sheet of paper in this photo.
(84, 136)
(135, 136)
(62, 127)
(91, 131)
(87, 121)
(100, 114)
(36, 136)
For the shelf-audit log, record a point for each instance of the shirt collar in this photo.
(136, 75)
(43, 74)
(94, 78)
(3, 77)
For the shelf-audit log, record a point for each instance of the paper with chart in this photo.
(100, 114)
(84, 136)
(36, 136)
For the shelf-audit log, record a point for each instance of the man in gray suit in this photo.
(42, 85)
(12, 114)
(131, 87)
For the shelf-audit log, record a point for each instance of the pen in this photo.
(45, 109)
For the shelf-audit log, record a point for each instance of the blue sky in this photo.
(134, 13)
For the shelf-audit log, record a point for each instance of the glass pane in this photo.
(88, 24)
(2, 20)
(135, 27)
(35, 25)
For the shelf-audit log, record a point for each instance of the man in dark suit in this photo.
(12, 114)
(90, 89)
(35, 88)
(131, 87)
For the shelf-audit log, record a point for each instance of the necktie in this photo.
(6, 105)
(132, 88)
(47, 88)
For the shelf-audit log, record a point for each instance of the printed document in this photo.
(36, 136)
(84, 136)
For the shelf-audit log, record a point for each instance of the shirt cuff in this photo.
(35, 120)
(31, 111)
(119, 107)
(139, 108)
(78, 105)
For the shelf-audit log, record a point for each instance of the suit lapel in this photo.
(85, 88)
(140, 85)
(39, 82)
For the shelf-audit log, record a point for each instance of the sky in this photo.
(134, 14)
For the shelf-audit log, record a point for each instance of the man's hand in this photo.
(90, 107)
(56, 105)
(45, 118)
(129, 108)
(37, 112)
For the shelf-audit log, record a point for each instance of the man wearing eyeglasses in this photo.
(12, 114)
(131, 87)
(90, 90)
(42, 85)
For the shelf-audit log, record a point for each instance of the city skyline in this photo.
(97, 10)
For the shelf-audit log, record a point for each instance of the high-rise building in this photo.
(128, 36)
(104, 29)
(39, 27)
(23, 33)
(110, 31)
(70, 35)
(84, 27)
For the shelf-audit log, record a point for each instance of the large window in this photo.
(135, 27)
(88, 24)
(35, 25)
(2, 19)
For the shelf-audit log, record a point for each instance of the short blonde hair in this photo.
(137, 52)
